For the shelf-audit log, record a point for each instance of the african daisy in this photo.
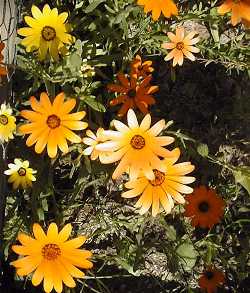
(7, 123)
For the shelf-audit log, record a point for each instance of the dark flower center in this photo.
(51, 251)
(4, 119)
(53, 121)
(21, 171)
(204, 206)
(159, 178)
(209, 275)
(131, 93)
(137, 142)
(48, 33)
(180, 46)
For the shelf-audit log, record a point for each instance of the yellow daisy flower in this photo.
(181, 46)
(51, 124)
(7, 123)
(47, 31)
(20, 174)
(164, 188)
(167, 7)
(52, 257)
(137, 147)
(93, 140)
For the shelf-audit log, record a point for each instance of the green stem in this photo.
(50, 87)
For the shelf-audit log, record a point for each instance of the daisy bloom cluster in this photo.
(51, 257)
(7, 123)
(240, 10)
(3, 70)
(166, 7)
(211, 279)
(20, 174)
(181, 46)
(134, 91)
(51, 124)
(47, 32)
(204, 207)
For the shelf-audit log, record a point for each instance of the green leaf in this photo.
(243, 177)
(94, 104)
(187, 255)
(93, 6)
(202, 150)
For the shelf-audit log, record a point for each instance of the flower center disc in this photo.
(159, 178)
(51, 251)
(4, 119)
(53, 121)
(21, 171)
(204, 207)
(137, 142)
(131, 93)
(180, 46)
(209, 275)
(48, 33)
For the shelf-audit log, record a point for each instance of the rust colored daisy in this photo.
(166, 7)
(211, 279)
(3, 70)
(139, 68)
(133, 95)
(240, 9)
(204, 207)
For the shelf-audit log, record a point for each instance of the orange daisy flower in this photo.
(164, 188)
(139, 68)
(181, 46)
(211, 279)
(166, 7)
(3, 70)
(51, 124)
(204, 207)
(240, 9)
(133, 95)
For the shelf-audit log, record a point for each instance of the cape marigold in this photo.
(240, 10)
(47, 31)
(204, 207)
(52, 257)
(51, 124)
(137, 147)
(93, 140)
(3, 70)
(139, 68)
(164, 188)
(167, 7)
(7, 123)
(181, 46)
(20, 174)
(211, 279)
(133, 95)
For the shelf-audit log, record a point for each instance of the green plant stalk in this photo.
(50, 87)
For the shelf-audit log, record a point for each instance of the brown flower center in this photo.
(4, 119)
(209, 275)
(180, 46)
(204, 206)
(51, 251)
(131, 93)
(137, 142)
(159, 178)
(53, 121)
(21, 171)
(48, 33)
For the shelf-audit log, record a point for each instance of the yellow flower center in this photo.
(48, 33)
(204, 207)
(180, 46)
(21, 171)
(51, 251)
(159, 178)
(137, 142)
(53, 121)
(4, 119)
(131, 93)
